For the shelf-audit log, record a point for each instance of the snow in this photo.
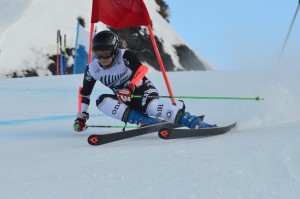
(42, 157)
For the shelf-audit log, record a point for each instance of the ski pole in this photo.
(199, 97)
(107, 126)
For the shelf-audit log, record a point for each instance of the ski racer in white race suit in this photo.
(121, 71)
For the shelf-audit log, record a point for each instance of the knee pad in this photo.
(102, 97)
(159, 109)
(109, 105)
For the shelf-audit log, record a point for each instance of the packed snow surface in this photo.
(42, 157)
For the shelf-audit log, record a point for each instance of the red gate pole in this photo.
(161, 63)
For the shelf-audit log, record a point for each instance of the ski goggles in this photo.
(103, 54)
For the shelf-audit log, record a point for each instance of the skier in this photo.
(121, 71)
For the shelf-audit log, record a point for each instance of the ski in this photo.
(97, 139)
(168, 133)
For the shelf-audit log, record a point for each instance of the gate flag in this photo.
(120, 13)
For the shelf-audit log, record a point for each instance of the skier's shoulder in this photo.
(93, 64)
(90, 70)
(130, 59)
(128, 54)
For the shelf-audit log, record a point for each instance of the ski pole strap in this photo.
(199, 97)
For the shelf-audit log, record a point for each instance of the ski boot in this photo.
(193, 122)
(139, 118)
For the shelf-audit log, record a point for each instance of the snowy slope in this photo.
(28, 32)
(42, 157)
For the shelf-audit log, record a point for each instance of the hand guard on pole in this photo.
(124, 95)
(79, 124)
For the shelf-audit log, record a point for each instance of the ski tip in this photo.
(231, 126)
(234, 124)
(94, 140)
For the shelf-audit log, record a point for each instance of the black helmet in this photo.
(106, 40)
